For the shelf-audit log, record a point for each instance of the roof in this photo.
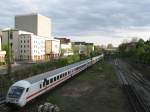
(82, 43)
(63, 40)
(42, 76)
(79, 43)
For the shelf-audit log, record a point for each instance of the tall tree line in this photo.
(137, 51)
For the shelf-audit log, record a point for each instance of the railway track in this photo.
(135, 87)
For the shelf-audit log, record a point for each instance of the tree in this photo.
(7, 49)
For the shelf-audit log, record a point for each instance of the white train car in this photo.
(25, 90)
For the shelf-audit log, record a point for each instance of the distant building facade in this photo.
(52, 48)
(66, 46)
(82, 48)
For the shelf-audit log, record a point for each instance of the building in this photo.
(66, 46)
(2, 53)
(13, 40)
(34, 23)
(82, 48)
(27, 46)
(28, 40)
(32, 47)
(52, 48)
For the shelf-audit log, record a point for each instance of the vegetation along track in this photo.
(135, 87)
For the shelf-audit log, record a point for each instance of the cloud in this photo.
(82, 19)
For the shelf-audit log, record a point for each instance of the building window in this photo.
(24, 45)
(11, 44)
(24, 41)
(24, 51)
(11, 35)
(21, 41)
(28, 41)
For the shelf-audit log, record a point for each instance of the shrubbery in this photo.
(138, 52)
(44, 67)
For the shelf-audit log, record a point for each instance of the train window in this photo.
(51, 80)
(65, 73)
(54, 78)
(40, 86)
(44, 84)
(27, 89)
(57, 77)
(47, 82)
(61, 76)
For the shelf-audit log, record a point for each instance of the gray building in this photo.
(34, 23)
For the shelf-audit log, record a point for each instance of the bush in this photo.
(44, 67)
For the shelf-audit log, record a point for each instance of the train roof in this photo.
(41, 76)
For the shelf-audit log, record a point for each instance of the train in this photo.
(23, 91)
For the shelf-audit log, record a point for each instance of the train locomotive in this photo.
(26, 90)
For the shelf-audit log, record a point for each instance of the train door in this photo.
(45, 83)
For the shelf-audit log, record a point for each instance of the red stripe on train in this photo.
(50, 85)
(45, 88)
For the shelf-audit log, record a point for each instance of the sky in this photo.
(98, 21)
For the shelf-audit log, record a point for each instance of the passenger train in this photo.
(25, 90)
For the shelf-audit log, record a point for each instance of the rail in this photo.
(130, 82)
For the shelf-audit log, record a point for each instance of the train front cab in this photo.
(17, 93)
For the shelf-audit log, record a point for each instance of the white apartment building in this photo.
(34, 23)
(82, 48)
(27, 46)
(32, 47)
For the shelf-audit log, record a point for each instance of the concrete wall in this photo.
(26, 23)
(44, 26)
(35, 23)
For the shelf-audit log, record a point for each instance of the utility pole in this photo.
(9, 60)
